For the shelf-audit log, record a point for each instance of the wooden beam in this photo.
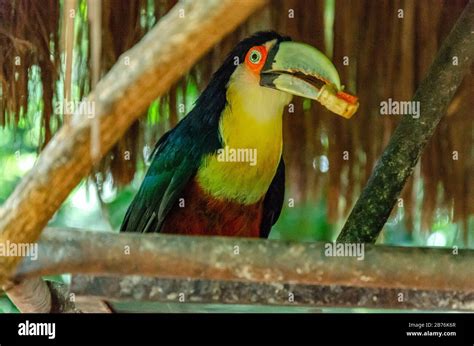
(248, 260)
(188, 291)
(140, 75)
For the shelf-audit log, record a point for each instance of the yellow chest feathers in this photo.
(251, 131)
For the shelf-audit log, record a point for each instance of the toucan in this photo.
(220, 170)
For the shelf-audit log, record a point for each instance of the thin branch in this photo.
(409, 139)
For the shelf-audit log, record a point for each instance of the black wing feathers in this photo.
(273, 201)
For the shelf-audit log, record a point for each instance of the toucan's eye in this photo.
(255, 56)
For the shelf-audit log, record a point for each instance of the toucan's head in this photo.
(272, 68)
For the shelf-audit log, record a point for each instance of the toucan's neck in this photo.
(251, 124)
(252, 117)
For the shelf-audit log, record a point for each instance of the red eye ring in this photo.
(255, 58)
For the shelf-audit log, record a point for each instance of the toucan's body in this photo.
(191, 187)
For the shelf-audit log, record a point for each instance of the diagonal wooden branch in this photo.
(249, 260)
(141, 75)
(409, 139)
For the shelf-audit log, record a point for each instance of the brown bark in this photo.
(35, 295)
(31, 296)
(141, 75)
(249, 260)
(137, 289)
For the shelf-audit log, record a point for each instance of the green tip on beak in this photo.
(302, 70)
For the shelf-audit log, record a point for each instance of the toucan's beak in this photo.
(302, 70)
